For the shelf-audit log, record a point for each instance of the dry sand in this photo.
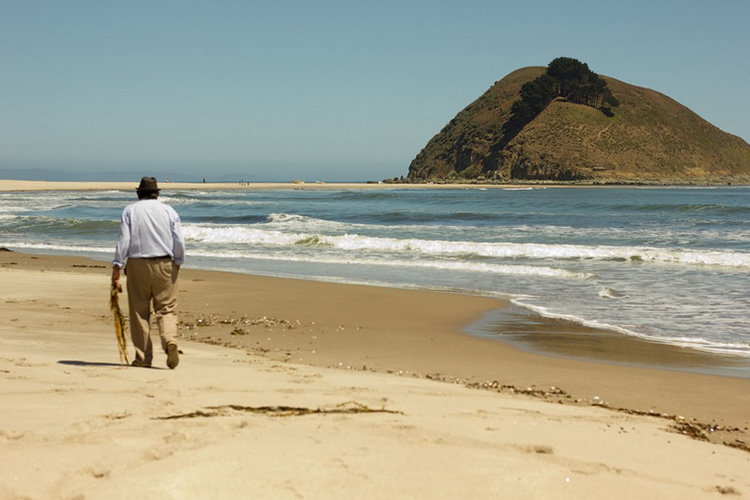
(270, 419)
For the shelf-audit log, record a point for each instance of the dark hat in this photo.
(148, 185)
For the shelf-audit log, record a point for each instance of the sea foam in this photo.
(503, 250)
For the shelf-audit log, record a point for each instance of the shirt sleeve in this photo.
(123, 241)
(178, 249)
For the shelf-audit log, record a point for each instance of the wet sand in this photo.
(529, 332)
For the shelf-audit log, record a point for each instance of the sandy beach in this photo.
(295, 389)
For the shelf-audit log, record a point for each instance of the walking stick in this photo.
(114, 304)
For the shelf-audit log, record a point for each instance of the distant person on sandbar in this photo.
(151, 248)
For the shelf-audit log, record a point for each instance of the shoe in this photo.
(173, 356)
(141, 364)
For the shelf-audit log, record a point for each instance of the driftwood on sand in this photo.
(114, 305)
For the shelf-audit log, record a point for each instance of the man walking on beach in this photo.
(152, 245)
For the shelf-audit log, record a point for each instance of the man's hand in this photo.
(116, 277)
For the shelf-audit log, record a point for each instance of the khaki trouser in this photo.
(151, 280)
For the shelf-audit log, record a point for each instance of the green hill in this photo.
(647, 138)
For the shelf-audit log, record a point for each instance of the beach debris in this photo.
(216, 319)
(349, 407)
(542, 450)
(703, 432)
(727, 490)
(693, 429)
(739, 444)
(597, 401)
(114, 305)
(512, 389)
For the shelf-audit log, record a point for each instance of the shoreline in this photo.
(32, 186)
(423, 334)
(545, 336)
(530, 332)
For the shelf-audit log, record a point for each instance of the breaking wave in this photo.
(543, 271)
(465, 249)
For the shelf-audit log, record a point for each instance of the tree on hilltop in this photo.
(535, 96)
(565, 77)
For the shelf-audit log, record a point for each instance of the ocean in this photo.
(667, 264)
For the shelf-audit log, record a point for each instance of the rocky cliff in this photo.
(647, 138)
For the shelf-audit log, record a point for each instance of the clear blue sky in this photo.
(323, 90)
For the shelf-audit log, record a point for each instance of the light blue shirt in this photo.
(149, 228)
